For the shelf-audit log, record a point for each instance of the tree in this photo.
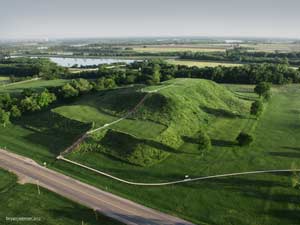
(15, 111)
(69, 91)
(256, 108)
(30, 104)
(203, 141)
(27, 92)
(99, 84)
(4, 118)
(109, 83)
(45, 98)
(244, 139)
(82, 85)
(262, 89)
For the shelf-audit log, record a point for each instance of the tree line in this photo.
(241, 56)
(31, 100)
(154, 71)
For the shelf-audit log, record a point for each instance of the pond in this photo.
(68, 62)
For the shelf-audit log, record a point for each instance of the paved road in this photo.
(106, 203)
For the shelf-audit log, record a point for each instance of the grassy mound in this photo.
(178, 108)
(127, 148)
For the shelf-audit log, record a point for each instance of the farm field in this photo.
(180, 48)
(272, 47)
(257, 199)
(45, 208)
(201, 63)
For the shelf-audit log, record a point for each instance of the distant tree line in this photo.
(242, 56)
(153, 71)
(29, 67)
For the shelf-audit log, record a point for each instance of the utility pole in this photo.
(38, 187)
(96, 214)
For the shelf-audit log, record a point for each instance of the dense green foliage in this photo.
(263, 89)
(203, 141)
(256, 108)
(153, 71)
(27, 67)
(244, 139)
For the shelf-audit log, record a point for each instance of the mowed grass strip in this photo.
(47, 208)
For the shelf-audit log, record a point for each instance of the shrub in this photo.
(203, 141)
(256, 108)
(244, 139)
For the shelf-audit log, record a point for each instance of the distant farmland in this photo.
(201, 63)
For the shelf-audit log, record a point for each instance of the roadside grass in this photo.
(48, 208)
(41, 136)
(251, 200)
(201, 63)
(37, 84)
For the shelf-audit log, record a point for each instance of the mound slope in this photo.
(184, 108)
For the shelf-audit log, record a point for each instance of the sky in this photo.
(141, 18)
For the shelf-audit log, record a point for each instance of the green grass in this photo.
(164, 117)
(49, 208)
(254, 199)
(3, 78)
(38, 84)
(201, 63)
(250, 200)
(41, 136)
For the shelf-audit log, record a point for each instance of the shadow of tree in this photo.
(223, 143)
(286, 154)
(221, 113)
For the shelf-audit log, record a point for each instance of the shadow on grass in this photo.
(189, 139)
(51, 131)
(223, 143)
(293, 216)
(291, 148)
(286, 154)
(221, 113)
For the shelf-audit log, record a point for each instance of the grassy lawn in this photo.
(201, 63)
(38, 84)
(251, 200)
(47, 208)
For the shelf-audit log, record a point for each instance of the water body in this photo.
(68, 62)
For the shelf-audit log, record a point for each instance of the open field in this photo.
(159, 49)
(200, 63)
(37, 84)
(47, 208)
(4, 78)
(272, 47)
(257, 199)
